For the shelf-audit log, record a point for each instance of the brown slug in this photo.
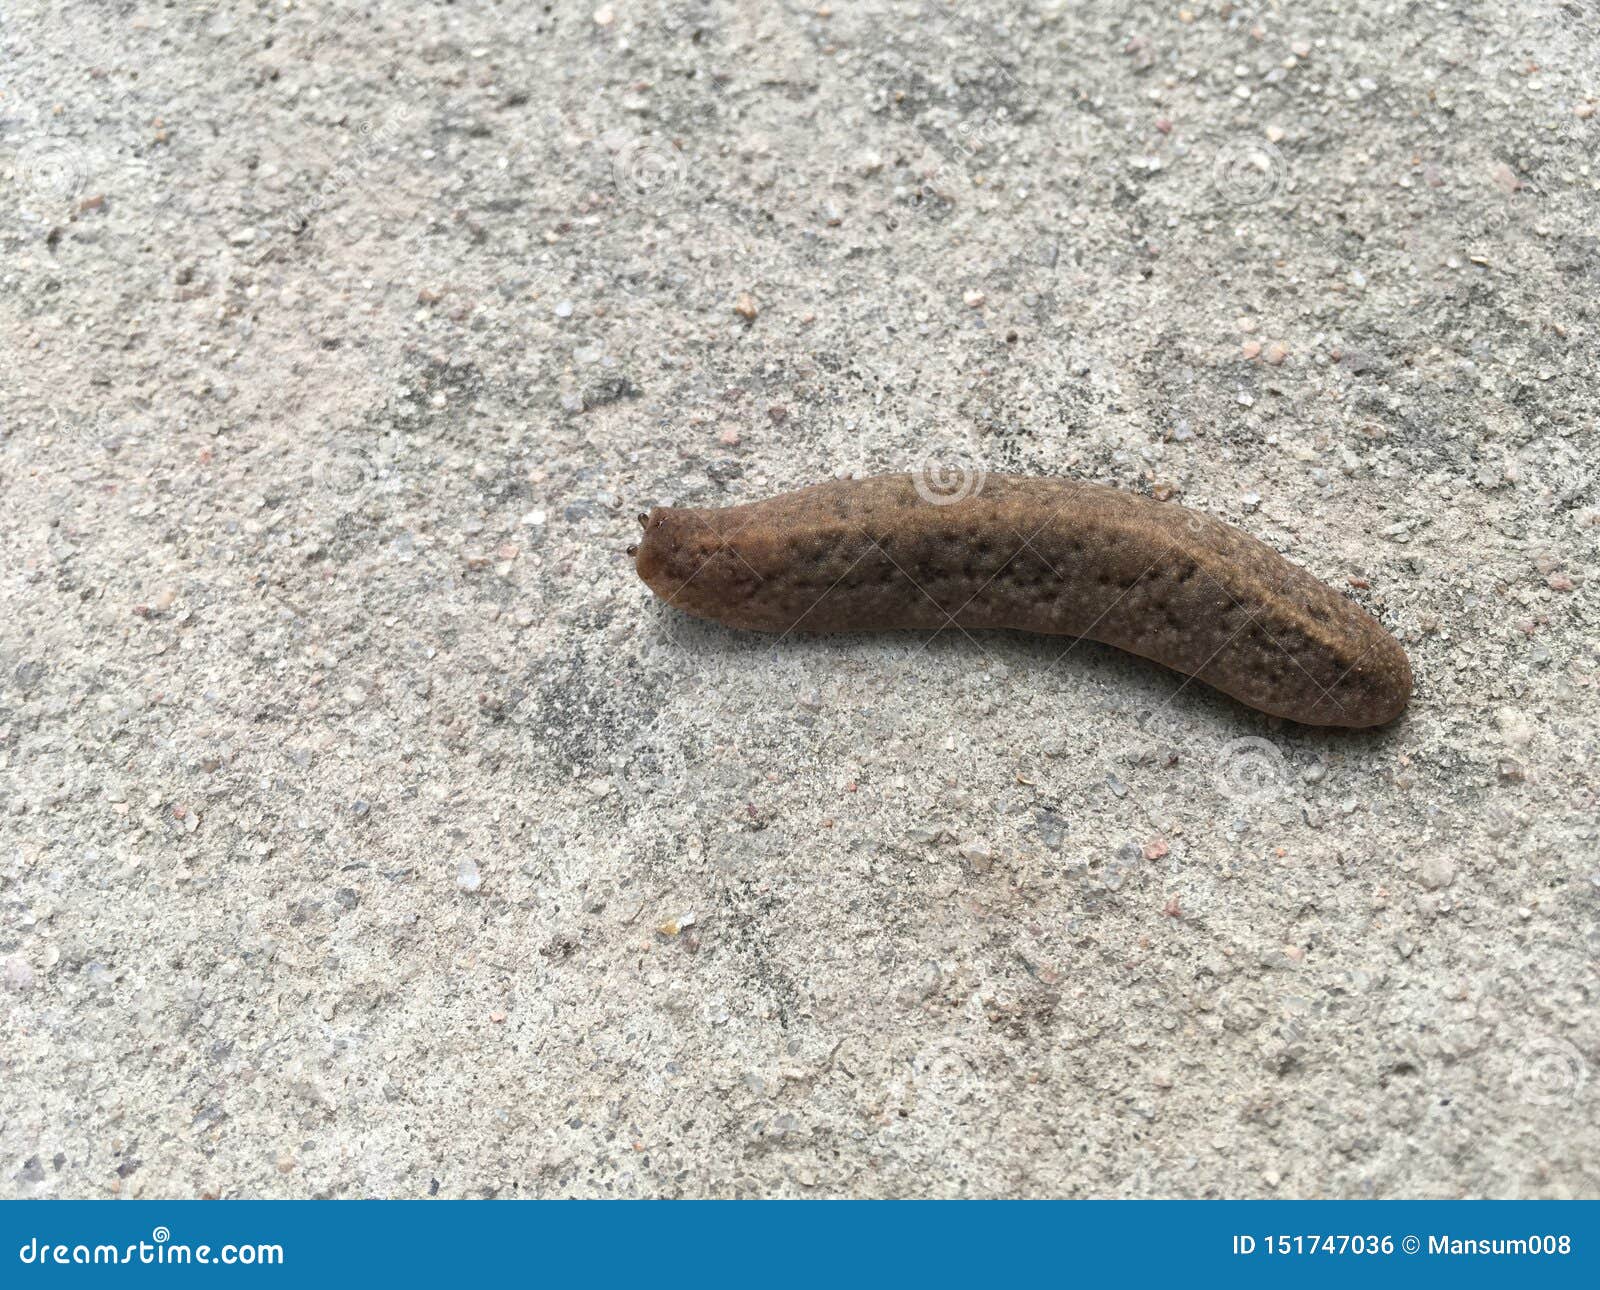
(1040, 555)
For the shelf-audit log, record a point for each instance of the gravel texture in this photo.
(367, 827)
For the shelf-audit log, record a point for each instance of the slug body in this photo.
(1040, 555)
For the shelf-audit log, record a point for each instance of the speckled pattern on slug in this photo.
(1042, 555)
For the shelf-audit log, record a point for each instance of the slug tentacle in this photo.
(1042, 555)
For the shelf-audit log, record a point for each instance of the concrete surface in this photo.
(369, 830)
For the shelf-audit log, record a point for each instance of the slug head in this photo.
(685, 559)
